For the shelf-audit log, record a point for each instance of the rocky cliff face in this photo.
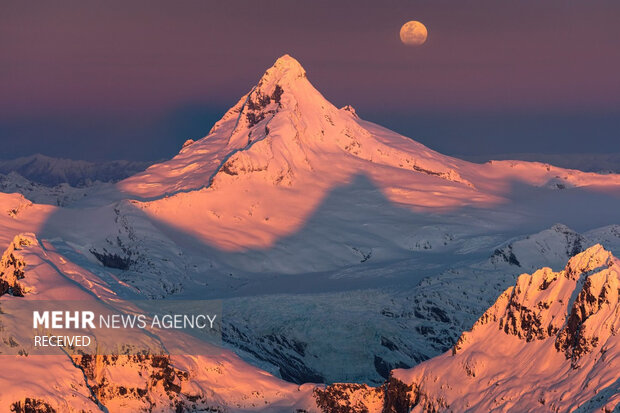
(156, 384)
(12, 266)
(595, 314)
(556, 329)
(543, 304)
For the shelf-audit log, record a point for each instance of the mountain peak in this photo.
(285, 67)
(283, 132)
(284, 71)
(287, 60)
(589, 260)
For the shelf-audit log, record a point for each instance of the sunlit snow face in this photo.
(413, 33)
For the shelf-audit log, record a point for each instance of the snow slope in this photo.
(221, 381)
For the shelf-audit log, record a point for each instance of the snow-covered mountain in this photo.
(559, 328)
(284, 133)
(341, 251)
(285, 171)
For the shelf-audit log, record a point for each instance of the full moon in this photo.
(413, 33)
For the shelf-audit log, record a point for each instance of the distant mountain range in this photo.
(588, 162)
(50, 171)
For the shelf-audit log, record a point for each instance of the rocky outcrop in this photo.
(12, 266)
(394, 396)
(560, 329)
(536, 307)
(155, 384)
(32, 405)
(552, 247)
(595, 313)
(349, 398)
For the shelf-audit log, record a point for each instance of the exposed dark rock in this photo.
(277, 94)
(284, 352)
(32, 405)
(160, 377)
(507, 255)
(256, 105)
(389, 344)
(11, 271)
(397, 397)
(337, 398)
(522, 322)
(112, 260)
(571, 340)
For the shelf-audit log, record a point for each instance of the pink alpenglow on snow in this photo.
(271, 160)
(344, 253)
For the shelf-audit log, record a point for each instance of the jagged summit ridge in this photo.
(543, 304)
(558, 329)
(286, 74)
(286, 77)
(594, 258)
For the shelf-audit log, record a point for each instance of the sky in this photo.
(134, 79)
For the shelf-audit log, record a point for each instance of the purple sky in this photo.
(134, 79)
